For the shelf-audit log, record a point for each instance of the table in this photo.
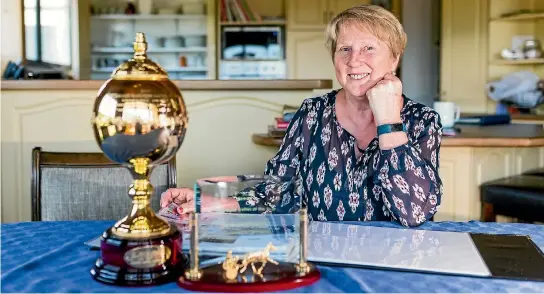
(51, 257)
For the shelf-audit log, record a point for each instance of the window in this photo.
(47, 31)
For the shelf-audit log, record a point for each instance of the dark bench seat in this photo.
(520, 196)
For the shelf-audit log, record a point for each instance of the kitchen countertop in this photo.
(527, 118)
(182, 84)
(511, 135)
(516, 118)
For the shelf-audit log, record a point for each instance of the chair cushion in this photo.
(519, 196)
(535, 172)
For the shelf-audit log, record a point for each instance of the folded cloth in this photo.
(520, 88)
(527, 100)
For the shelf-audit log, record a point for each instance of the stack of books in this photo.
(485, 120)
(238, 11)
(282, 123)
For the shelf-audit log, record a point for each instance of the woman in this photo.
(364, 152)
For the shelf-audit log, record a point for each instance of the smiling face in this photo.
(361, 59)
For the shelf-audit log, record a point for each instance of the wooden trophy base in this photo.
(283, 276)
(140, 262)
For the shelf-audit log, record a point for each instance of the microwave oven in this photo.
(252, 43)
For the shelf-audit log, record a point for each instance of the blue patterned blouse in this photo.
(401, 184)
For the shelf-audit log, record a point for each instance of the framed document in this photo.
(456, 253)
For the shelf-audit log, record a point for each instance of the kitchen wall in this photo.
(421, 65)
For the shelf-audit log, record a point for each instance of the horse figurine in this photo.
(262, 257)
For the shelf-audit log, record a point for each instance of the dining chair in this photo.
(87, 186)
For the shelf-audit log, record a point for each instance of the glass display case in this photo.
(247, 233)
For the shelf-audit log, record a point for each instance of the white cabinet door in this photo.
(307, 14)
(308, 58)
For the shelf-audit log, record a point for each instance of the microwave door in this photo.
(234, 52)
(252, 43)
(256, 52)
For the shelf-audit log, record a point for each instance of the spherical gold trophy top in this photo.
(139, 120)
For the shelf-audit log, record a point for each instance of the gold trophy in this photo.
(139, 120)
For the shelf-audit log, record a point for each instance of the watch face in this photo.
(397, 128)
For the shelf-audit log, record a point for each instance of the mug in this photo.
(449, 113)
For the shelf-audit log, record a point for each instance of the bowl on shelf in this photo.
(174, 42)
(155, 42)
(532, 49)
(195, 41)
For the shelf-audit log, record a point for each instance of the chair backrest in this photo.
(87, 186)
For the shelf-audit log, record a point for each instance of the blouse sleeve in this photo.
(408, 174)
(278, 196)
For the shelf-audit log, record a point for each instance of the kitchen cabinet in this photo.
(473, 35)
(308, 57)
(501, 31)
(179, 39)
(337, 6)
(464, 169)
(315, 14)
(463, 53)
(307, 14)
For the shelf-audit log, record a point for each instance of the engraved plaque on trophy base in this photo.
(144, 262)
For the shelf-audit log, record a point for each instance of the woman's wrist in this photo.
(392, 140)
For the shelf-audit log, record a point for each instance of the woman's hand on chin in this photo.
(385, 100)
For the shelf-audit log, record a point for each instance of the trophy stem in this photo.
(194, 273)
(302, 266)
(142, 222)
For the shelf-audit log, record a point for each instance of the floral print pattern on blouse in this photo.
(401, 184)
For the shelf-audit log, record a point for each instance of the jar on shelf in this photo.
(183, 61)
(532, 49)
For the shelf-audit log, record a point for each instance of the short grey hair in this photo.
(378, 20)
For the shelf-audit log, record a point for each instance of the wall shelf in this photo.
(518, 62)
(252, 23)
(509, 25)
(521, 16)
(171, 69)
(130, 50)
(149, 17)
(167, 34)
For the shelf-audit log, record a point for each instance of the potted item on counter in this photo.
(131, 8)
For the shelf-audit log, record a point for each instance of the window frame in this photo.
(38, 41)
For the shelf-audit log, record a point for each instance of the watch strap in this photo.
(391, 128)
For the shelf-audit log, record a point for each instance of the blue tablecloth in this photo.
(51, 257)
